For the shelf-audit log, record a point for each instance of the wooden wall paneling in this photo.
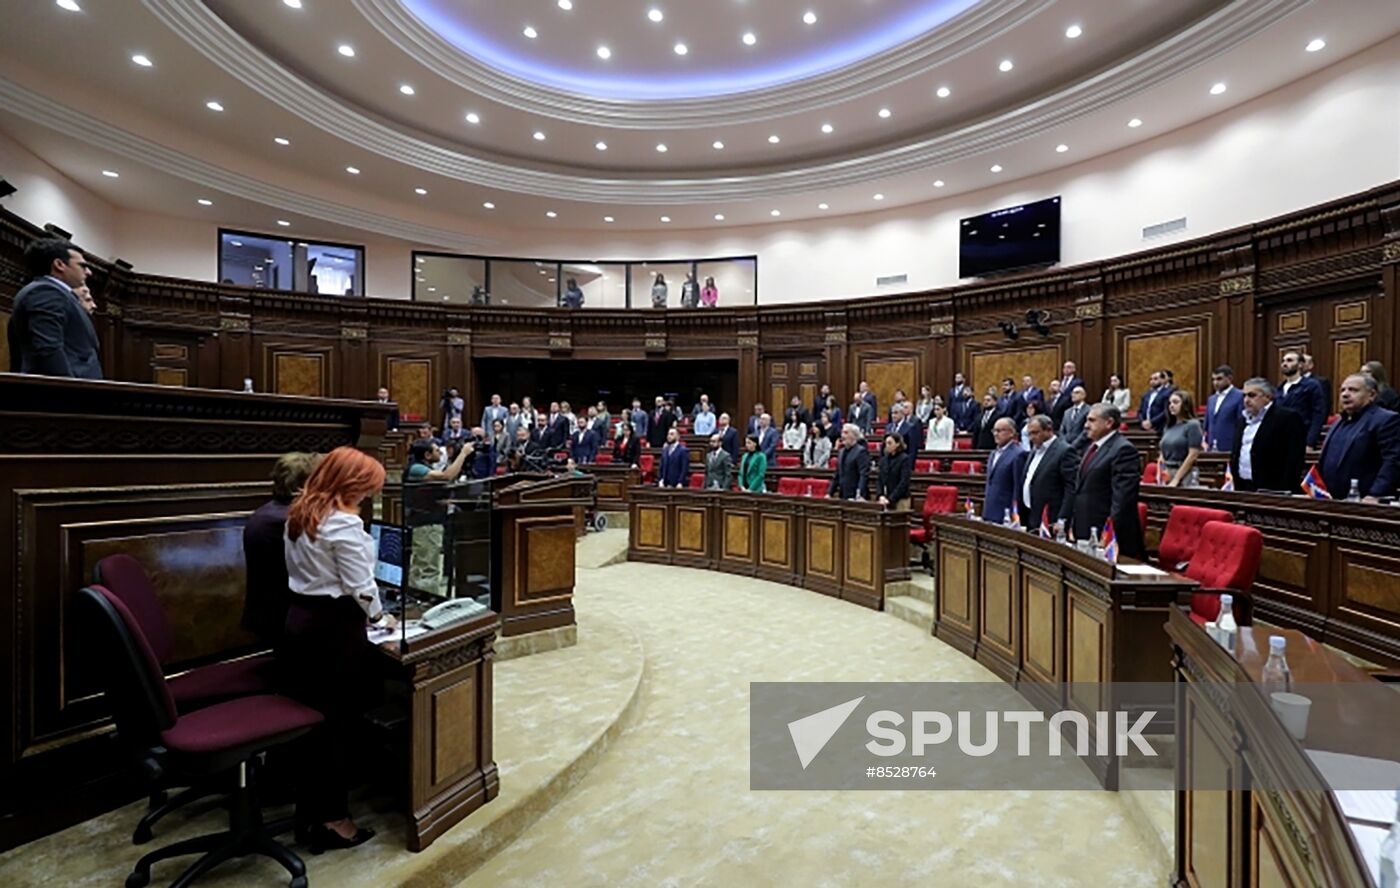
(888, 369)
(304, 369)
(990, 362)
(411, 379)
(354, 362)
(1175, 343)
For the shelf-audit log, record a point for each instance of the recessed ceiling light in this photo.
(601, 146)
(665, 218)
(749, 38)
(346, 50)
(943, 92)
(1217, 89)
(1135, 123)
(419, 260)
(488, 205)
(773, 140)
(294, 4)
(432, 289)
(1073, 31)
(281, 141)
(822, 206)
(284, 223)
(205, 202)
(551, 214)
(70, 5)
(681, 49)
(828, 128)
(656, 15)
(420, 191)
(661, 148)
(1006, 65)
(530, 32)
(473, 117)
(142, 60)
(718, 145)
(719, 217)
(407, 89)
(884, 114)
(354, 171)
(539, 136)
(809, 17)
(111, 174)
(1316, 45)
(996, 167)
(604, 53)
(775, 213)
(879, 197)
(213, 106)
(938, 183)
(609, 219)
(1061, 149)
(566, 5)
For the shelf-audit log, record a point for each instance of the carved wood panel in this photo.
(410, 381)
(299, 373)
(885, 375)
(989, 366)
(1174, 345)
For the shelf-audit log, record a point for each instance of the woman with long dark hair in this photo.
(330, 571)
(628, 448)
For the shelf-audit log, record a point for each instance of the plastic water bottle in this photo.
(1005, 517)
(1060, 534)
(1390, 851)
(1225, 626)
(1213, 631)
(1354, 493)
(1276, 675)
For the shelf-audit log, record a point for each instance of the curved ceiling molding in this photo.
(92, 131)
(1202, 41)
(962, 34)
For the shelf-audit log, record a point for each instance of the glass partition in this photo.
(450, 279)
(601, 284)
(523, 284)
(735, 282)
(649, 279)
(274, 263)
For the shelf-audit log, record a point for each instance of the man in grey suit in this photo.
(1072, 423)
(719, 465)
(50, 332)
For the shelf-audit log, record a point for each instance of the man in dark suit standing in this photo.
(768, 438)
(393, 423)
(1303, 395)
(559, 430)
(983, 437)
(962, 406)
(728, 437)
(1069, 378)
(852, 466)
(1106, 483)
(50, 332)
(1224, 410)
(907, 427)
(1032, 395)
(1268, 452)
(868, 396)
(719, 466)
(1310, 371)
(660, 422)
(1072, 422)
(675, 461)
(583, 444)
(861, 414)
(1010, 404)
(752, 428)
(1363, 445)
(1002, 468)
(1045, 473)
(1153, 409)
(819, 403)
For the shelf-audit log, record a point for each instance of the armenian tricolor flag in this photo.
(1045, 532)
(1314, 486)
(971, 512)
(1015, 515)
(1161, 470)
(1229, 482)
(1110, 543)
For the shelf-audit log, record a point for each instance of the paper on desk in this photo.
(378, 635)
(1340, 769)
(1141, 570)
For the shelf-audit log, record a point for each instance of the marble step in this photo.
(919, 585)
(911, 610)
(1148, 798)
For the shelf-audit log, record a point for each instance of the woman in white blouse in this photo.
(330, 571)
(1117, 394)
(940, 429)
(794, 433)
(817, 451)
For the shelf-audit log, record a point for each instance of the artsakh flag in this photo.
(1045, 532)
(1314, 486)
(1110, 543)
(1229, 482)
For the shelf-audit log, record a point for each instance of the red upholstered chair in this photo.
(646, 462)
(697, 480)
(1226, 559)
(500, 470)
(872, 446)
(790, 486)
(214, 742)
(831, 463)
(962, 442)
(966, 467)
(1149, 473)
(1142, 517)
(816, 486)
(923, 466)
(1183, 533)
(1122, 426)
(938, 500)
(605, 457)
(789, 462)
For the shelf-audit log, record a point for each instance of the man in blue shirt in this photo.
(1224, 410)
(705, 420)
(1363, 445)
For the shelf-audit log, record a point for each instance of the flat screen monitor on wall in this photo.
(1010, 239)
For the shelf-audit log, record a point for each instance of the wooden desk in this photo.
(1059, 624)
(450, 769)
(614, 482)
(1255, 833)
(848, 550)
(532, 569)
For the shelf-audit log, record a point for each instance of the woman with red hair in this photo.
(330, 571)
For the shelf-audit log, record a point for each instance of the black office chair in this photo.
(218, 740)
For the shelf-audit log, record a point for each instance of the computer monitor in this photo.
(388, 553)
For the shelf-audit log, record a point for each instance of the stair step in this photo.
(919, 585)
(911, 610)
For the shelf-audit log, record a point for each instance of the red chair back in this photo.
(646, 462)
(962, 443)
(831, 463)
(816, 486)
(123, 577)
(966, 467)
(789, 462)
(1142, 517)
(1149, 474)
(790, 486)
(605, 457)
(923, 466)
(940, 499)
(697, 480)
(1226, 557)
(872, 446)
(1183, 533)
